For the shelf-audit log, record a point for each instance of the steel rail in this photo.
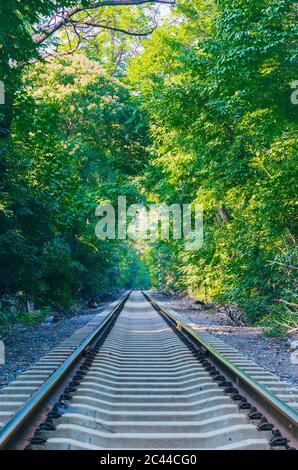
(10, 429)
(288, 414)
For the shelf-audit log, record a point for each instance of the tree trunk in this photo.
(223, 214)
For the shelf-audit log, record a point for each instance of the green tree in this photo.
(217, 91)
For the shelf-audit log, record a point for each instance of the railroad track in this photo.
(138, 378)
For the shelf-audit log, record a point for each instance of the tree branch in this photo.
(65, 16)
(105, 3)
(112, 28)
(289, 266)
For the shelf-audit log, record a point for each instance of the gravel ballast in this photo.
(272, 353)
(27, 344)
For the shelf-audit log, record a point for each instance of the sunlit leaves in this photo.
(225, 134)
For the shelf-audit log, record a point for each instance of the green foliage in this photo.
(19, 23)
(217, 90)
(33, 318)
(203, 115)
(132, 269)
(6, 319)
(76, 141)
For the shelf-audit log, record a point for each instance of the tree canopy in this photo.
(186, 102)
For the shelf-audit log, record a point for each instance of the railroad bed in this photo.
(144, 385)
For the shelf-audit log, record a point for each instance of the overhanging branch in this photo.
(112, 28)
(62, 17)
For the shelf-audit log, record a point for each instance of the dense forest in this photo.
(174, 102)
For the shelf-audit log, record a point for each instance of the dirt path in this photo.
(270, 352)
